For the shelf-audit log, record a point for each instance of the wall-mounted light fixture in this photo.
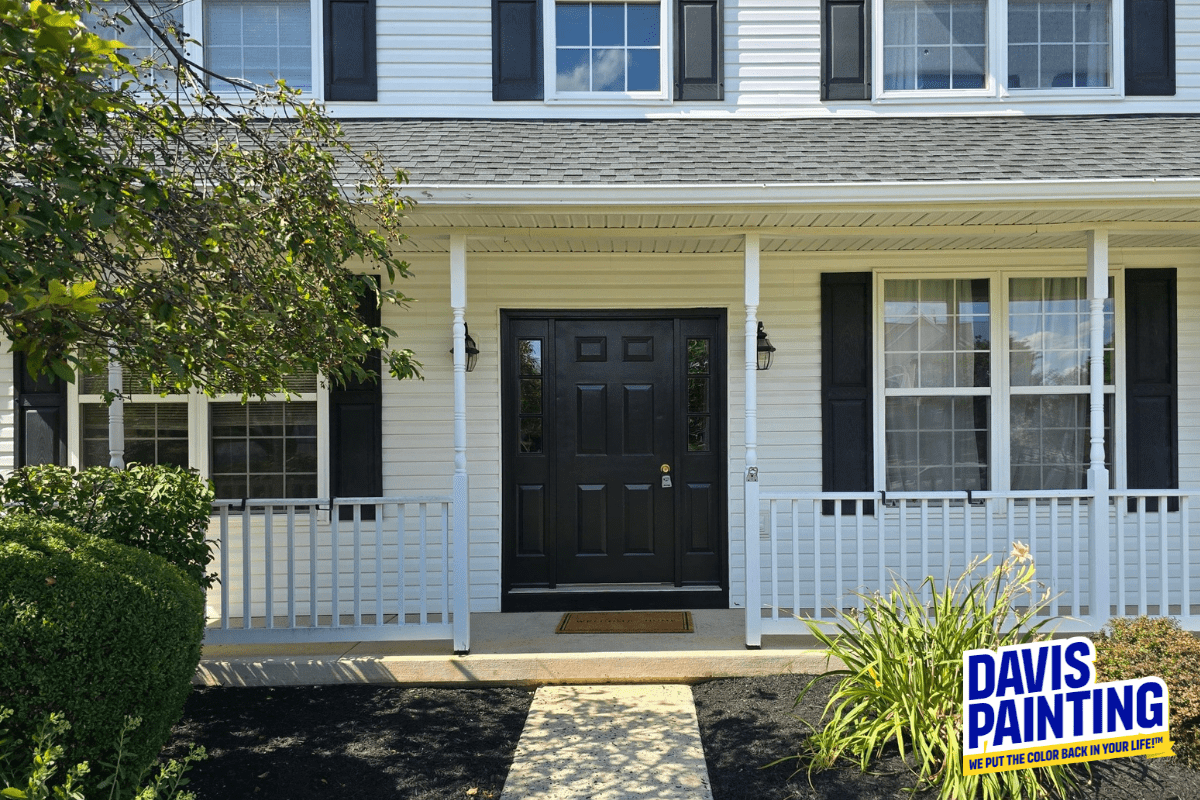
(766, 350)
(472, 350)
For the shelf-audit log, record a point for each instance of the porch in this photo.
(519, 648)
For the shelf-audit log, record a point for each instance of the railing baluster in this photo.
(378, 564)
(1164, 602)
(225, 545)
(401, 578)
(945, 541)
(1054, 580)
(902, 517)
(881, 537)
(246, 567)
(313, 619)
(269, 572)
(773, 564)
(925, 594)
(334, 557)
(356, 553)
(1077, 600)
(1185, 559)
(422, 539)
(837, 560)
(1119, 508)
(794, 510)
(817, 614)
(445, 507)
(291, 565)
(859, 555)
(1141, 525)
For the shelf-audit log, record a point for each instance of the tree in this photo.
(200, 238)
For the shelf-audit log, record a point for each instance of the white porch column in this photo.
(116, 416)
(1098, 529)
(750, 510)
(460, 578)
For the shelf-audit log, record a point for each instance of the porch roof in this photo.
(490, 152)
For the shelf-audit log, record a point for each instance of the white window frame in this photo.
(995, 79)
(199, 442)
(999, 392)
(316, 15)
(549, 59)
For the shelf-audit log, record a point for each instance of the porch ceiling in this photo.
(1143, 224)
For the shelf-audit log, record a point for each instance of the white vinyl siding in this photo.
(435, 59)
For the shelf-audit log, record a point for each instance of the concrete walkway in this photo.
(609, 743)
(518, 649)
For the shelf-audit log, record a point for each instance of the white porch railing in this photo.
(292, 570)
(813, 563)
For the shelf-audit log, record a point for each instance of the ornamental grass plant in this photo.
(903, 677)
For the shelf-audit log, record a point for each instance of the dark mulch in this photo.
(297, 743)
(748, 722)
(294, 743)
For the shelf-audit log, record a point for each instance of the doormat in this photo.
(626, 622)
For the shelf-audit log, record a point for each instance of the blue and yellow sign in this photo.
(1033, 705)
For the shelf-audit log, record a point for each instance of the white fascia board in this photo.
(802, 194)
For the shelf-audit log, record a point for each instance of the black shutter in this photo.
(356, 429)
(350, 50)
(1152, 386)
(1149, 47)
(41, 417)
(700, 72)
(516, 50)
(846, 412)
(846, 50)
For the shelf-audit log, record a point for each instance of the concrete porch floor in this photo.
(521, 649)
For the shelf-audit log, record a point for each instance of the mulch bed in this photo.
(295, 743)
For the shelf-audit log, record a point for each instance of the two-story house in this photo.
(770, 300)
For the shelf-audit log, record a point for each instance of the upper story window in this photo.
(114, 19)
(609, 48)
(576, 50)
(1059, 45)
(936, 45)
(923, 49)
(261, 42)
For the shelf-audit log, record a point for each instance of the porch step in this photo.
(612, 742)
(521, 649)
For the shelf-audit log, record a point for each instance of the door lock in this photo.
(666, 475)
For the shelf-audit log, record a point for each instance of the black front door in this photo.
(614, 467)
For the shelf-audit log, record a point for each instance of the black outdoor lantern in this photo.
(766, 350)
(472, 350)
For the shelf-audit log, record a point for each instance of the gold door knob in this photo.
(665, 468)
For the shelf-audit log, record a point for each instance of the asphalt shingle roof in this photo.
(758, 151)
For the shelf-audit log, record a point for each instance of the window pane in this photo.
(697, 356)
(266, 449)
(936, 334)
(698, 434)
(936, 443)
(529, 356)
(1059, 44)
(608, 24)
(1050, 441)
(531, 395)
(531, 435)
(643, 70)
(608, 47)
(1049, 339)
(934, 44)
(608, 70)
(259, 41)
(155, 433)
(571, 25)
(643, 25)
(573, 70)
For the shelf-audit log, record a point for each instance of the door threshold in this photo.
(603, 588)
(614, 597)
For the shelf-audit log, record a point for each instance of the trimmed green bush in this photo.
(159, 509)
(98, 632)
(1145, 647)
(902, 685)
